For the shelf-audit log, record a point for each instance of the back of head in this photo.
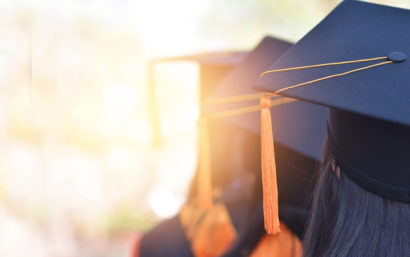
(348, 221)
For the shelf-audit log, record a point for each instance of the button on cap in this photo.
(397, 56)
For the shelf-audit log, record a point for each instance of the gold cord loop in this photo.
(283, 100)
(322, 65)
(327, 77)
(248, 109)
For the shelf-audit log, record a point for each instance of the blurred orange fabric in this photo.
(283, 244)
(213, 232)
(135, 247)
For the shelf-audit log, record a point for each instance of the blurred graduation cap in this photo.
(213, 67)
(355, 62)
(299, 132)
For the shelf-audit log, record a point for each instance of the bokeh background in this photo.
(79, 174)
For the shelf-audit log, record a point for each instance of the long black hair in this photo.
(347, 221)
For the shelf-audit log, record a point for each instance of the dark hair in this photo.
(347, 221)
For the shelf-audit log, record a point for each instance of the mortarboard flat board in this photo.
(213, 67)
(369, 115)
(299, 129)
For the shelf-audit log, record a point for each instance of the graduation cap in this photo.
(299, 131)
(355, 63)
(212, 69)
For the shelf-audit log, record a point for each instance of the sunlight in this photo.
(163, 203)
(169, 27)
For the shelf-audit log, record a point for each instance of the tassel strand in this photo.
(204, 174)
(270, 191)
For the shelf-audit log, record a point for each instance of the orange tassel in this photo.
(204, 173)
(270, 190)
(215, 234)
(285, 244)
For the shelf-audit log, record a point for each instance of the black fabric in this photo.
(250, 230)
(166, 239)
(295, 218)
(372, 152)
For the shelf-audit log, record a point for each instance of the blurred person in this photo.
(234, 226)
(213, 68)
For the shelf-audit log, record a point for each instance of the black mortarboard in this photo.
(299, 129)
(369, 107)
(297, 125)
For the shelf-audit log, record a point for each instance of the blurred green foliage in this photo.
(128, 220)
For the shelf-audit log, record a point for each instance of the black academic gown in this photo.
(166, 239)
